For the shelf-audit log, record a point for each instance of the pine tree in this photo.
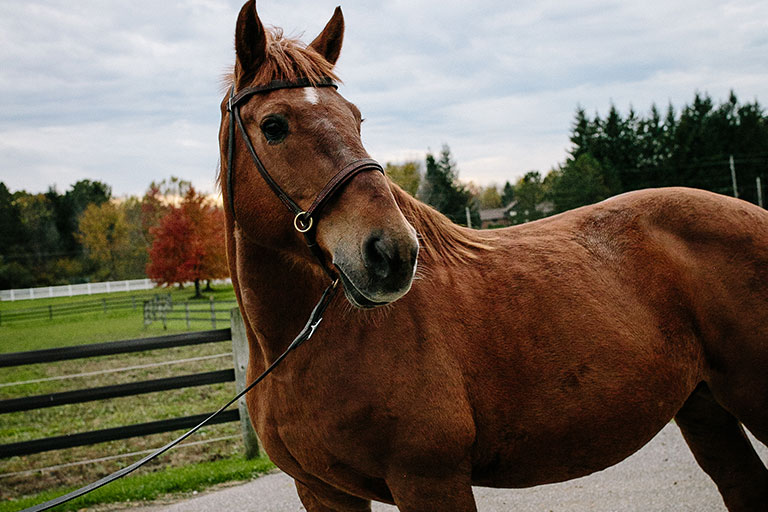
(507, 194)
(442, 190)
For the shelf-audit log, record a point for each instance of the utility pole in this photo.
(759, 192)
(733, 179)
(469, 218)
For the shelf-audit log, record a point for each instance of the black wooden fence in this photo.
(121, 390)
(37, 313)
(163, 309)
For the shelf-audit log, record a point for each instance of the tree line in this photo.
(172, 234)
(695, 147)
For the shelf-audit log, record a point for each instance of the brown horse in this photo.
(515, 357)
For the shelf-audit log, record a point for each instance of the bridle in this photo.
(304, 219)
(303, 222)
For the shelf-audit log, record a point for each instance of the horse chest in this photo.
(347, 428)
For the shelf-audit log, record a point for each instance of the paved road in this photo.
(662, 477)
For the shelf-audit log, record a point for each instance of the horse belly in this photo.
(578, 433)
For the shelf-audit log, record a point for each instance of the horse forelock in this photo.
(287, 58)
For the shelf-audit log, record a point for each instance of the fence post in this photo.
(213, 313)
(240, 355)
(186, 310)
(50, 312)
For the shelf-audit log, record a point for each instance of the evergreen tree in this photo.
(583, 134)
(690, 149)
(529, 193)
(442, 190)
(507, 194)
(579, 182)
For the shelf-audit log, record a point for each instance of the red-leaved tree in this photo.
(188, 243)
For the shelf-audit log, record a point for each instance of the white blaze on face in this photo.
(310, 94)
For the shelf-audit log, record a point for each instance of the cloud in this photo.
(128, 92)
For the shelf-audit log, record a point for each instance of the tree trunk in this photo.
(208, 287)
(197, 294)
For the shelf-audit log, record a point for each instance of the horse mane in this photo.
(440, 240)
(287, 58)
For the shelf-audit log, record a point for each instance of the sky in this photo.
(128, 92)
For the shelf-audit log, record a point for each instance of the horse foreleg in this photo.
(721, 448)
(413, 493)
(324, 498)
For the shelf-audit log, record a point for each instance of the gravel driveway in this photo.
(661, 477)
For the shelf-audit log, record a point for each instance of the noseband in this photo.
(303, 219)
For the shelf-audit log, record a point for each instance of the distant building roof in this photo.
(493, 213)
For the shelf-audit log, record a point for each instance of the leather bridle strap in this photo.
(303, 220)
(233, 107)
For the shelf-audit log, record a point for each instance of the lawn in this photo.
(219, 445)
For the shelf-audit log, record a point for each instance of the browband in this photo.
(247, 92)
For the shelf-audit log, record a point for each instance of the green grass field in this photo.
(218, 457)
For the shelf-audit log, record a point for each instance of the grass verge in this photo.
(154, 485)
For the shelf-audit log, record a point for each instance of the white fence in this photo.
(68, 290)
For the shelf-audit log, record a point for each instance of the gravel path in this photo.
(662, 477)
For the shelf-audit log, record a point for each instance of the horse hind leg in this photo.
(723, 451)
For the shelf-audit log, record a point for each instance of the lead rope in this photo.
(309, 329)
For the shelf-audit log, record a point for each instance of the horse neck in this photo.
(276, 291)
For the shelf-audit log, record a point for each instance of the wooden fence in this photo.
(160, 308)
(237, 374)
(37, 313)
(69, 290)
(163, 309)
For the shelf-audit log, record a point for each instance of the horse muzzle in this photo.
(381, 271)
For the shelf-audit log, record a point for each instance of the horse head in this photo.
(303, 134)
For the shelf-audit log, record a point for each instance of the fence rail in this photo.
(112, 434)
(163, 309)
(70, 290)
(130, 389)
(36, 313)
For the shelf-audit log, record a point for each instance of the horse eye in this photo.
(274, 128)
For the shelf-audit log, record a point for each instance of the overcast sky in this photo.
(127, 92)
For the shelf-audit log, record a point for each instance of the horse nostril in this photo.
(377, 255)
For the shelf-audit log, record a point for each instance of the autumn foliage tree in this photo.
(113, 240)
(188, 243)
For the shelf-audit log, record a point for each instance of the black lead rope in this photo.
(309, 329)
(303, 222)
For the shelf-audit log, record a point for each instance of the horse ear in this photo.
(328, 43)
(250, 39)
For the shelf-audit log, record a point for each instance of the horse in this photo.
(456, 357)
